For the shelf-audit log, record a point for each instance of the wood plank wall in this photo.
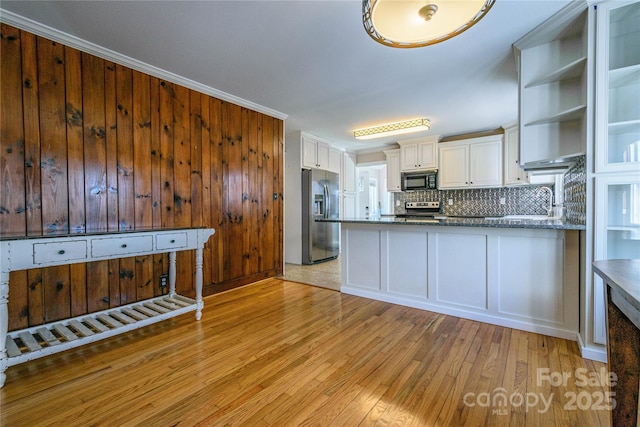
(89, 145)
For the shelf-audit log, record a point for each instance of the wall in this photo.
(293, 196)
(89, 145)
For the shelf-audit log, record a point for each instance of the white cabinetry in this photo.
(335, 160)
(349, 173)
(554, 100)
(315, 153)
(454, 165)
(393, 170)
(618, 87)
(501, 283)
(318, 154)
(419, 153)
(513, 173)
(617, 145)
(474, 162)
(349, 186)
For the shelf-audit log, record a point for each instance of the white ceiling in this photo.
(313, 61)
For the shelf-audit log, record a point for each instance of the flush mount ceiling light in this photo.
(398, 128)
(411, 23)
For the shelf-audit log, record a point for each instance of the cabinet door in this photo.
(618, 87)
(419, 153)
(309, 153)
(335, 160)
(393, 170)
(322, 155)
(409, 157)
(513, 174)
(349, 205)
(617, 232)
(453, 171)
(485, 164)
(349, 172)
(427, 155)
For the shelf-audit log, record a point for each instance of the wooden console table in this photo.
(622, 280)
(25, 253)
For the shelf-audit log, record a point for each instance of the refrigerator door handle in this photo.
(327, 202)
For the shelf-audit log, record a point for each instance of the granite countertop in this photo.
(623, 274)
(493, 222)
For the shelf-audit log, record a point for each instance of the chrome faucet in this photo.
(550, 209)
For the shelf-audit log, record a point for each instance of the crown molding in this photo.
(50, 33)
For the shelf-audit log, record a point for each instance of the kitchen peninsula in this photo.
(518, 273)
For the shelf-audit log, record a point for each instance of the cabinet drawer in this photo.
(44, 253)
(116, 246)
(171, 241)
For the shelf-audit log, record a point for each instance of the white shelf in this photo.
(624, 76)
(575, 113)
(572, 70)
(628, 126)
(43, 340)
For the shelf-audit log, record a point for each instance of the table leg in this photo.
(4, 324)
(172, 273)
(199, 301)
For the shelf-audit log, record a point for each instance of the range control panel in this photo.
(422, 205)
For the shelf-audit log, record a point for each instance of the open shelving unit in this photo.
(554, 80)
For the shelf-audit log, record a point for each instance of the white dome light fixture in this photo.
(413, 23)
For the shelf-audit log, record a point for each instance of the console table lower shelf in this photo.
(43, 340)
(23, 253)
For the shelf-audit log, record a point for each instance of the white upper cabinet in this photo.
(335, 160)
(618, 87)
(393, 170)
(555, 96)
(419, 153)
(471, 163)
(315, 154)
(349, 173)
(513, 173)
(454, 165)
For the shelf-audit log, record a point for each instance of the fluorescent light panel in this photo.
(390, 129)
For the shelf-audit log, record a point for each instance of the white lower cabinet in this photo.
(362, 247)
(465, 287)
(406, 266)
(525, 279)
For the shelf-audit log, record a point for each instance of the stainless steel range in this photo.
(421, 211)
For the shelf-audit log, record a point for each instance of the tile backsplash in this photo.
(518, 200)
(482, 201)
(575, 192)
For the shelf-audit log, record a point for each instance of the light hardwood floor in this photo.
(285, 354)
(325, 274)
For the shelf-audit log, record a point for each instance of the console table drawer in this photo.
(121, 245)
(44, 253)
(171, 241)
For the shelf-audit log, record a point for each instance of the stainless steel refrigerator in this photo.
(320, 199)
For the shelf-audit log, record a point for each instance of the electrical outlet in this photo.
(503, 200)
(450, 202)
(164, 280)
(398, 203)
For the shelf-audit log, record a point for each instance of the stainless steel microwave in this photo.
(423, 180)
